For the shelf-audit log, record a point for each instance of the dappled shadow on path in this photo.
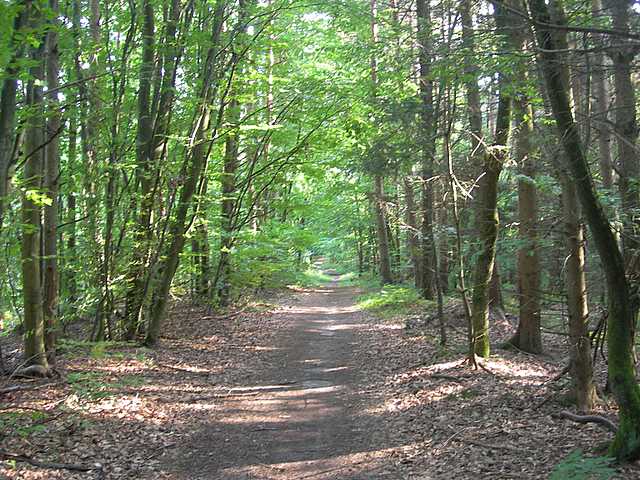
(304, 417)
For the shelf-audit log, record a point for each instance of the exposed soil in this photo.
(301, 416)
(307, 388)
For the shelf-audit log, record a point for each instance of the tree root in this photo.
(605, 422)
(53, 465)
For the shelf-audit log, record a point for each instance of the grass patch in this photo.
(393, 300)
(313, 277)
(23, 423)
(93, 386)
(100, 350)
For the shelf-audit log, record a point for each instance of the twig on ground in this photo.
(52, 465)
(490, 445)
(557, 377)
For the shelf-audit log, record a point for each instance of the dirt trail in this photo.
(301, 418)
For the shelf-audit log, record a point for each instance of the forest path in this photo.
(302, 415)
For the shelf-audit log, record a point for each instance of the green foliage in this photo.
(312, 277)
(23, 423)
(392, 300)
(578, 467)
(94, 386)
(99, 350)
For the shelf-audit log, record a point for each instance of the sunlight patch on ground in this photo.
(365, 464)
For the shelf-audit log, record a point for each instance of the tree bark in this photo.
(34, 334)
(427, 144)
(51, 176)
(412, 230)
(381, 230)
(600, 108)
(8, 103)
(581, 368)
(487, 209)
(228, 203)
(137, 276)
(527, 337)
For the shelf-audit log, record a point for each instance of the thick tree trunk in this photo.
(487, 230)
(626, 444)
(527, 337)
(34, 331)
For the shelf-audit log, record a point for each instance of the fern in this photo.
(578, 467)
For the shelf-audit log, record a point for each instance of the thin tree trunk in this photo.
(381, 230)
(228, 203)
(427, 141)
(626, 128)
(583, 391)
(51, 175)
(412, 230)
(576, 286)
(600, 108)
(192, 170)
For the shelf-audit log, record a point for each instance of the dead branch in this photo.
(52, 465)
(564, 371)
(605, 422)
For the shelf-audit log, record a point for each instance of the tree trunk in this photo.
(228, 203)
(51, 175)
(412, 230)
(474, 107)
(137, 276)
(8, 108)
(34, 333)
(427, 144)
(626, 129)
(527, 337)
(600, 108)
(487, 209)
(381, 230)
(194, 166)
(576, 286)
(626, 444)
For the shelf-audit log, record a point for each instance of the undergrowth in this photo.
(393, 300)
(578, 467)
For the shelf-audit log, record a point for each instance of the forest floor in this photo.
(308, 387)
